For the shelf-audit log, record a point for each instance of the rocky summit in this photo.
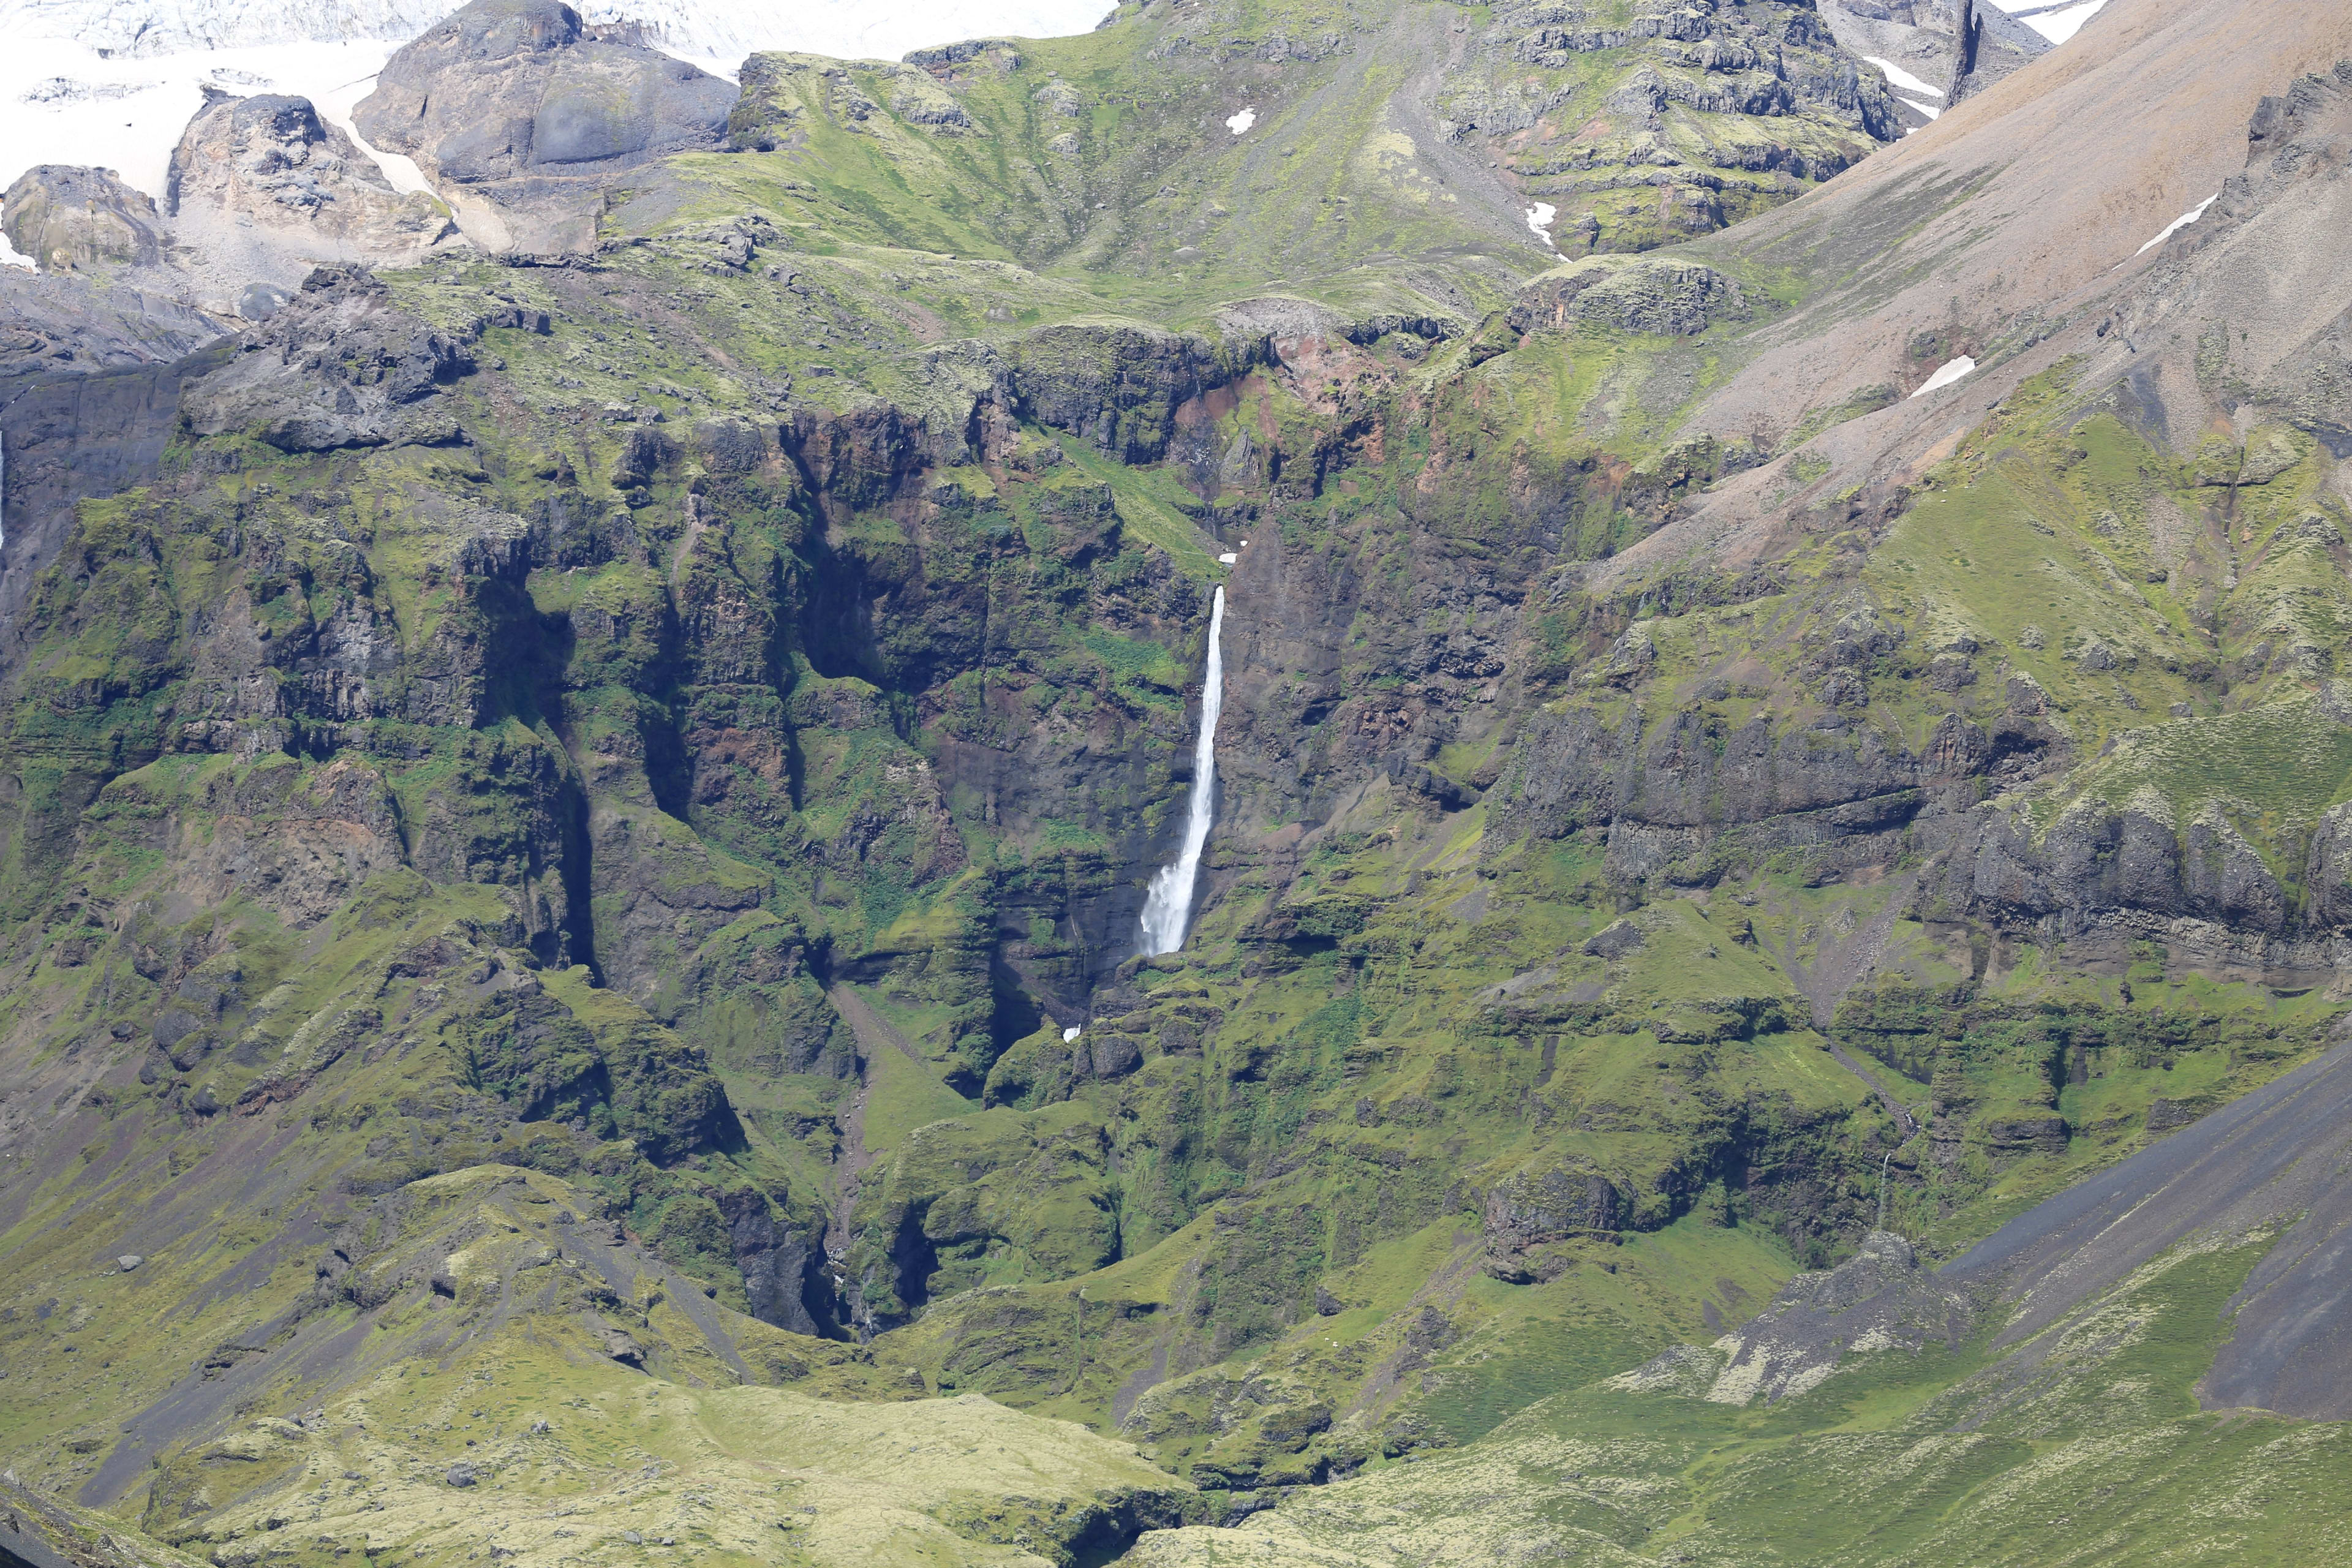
(1712, 633)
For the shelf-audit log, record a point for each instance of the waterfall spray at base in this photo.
(1168, 906)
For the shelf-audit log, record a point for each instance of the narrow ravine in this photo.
(850, 1164)
(875, 1035)
(1837, 968)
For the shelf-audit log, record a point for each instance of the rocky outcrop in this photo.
(1879, 1299)
(73, 219)
(53, 326)
(1688, 774)
(783, 1274)
(523, 116)
(1674, 298)
(782, 91)
(1530, 1210)
(339, 367)
(266, 190)
(1988, 44)
(1118, 384)
(2100, 858)
(2105, 876)
(1686, 800)
(1650, 124)
(260, 190)
(90, 373)
(1943, 43)
(956, 1192)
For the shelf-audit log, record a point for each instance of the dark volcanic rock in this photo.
(1988, 45)
(1119, 384)
(1576, 768)
(780, 1267)
(2101, 866)
(338, 367)
(1620, 938)
(52, 327)
(89, 389)
(1533, 1207)
(521, 115)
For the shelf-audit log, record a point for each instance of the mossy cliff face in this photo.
(573, 836)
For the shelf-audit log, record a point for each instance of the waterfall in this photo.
(1169, 907)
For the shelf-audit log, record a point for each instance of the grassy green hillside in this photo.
(572, 852)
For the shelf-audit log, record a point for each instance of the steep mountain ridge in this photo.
(576, 823)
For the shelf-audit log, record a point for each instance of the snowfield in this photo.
(114, 84)
(729, 29)
(62, 103)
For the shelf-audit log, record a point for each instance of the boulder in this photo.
(73, 219)
(1619, 939)
(265, 189)
(521, 116)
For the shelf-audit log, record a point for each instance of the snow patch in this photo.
(1946, 374)
(1069, 1033)
(2057, 22)
(1539, 216)
(1924, 108)
(1897, 77)
(1241, 121)
(2176, 225)
(12, 256)
(335, 107)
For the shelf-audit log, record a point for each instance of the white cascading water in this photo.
(1168, 906)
